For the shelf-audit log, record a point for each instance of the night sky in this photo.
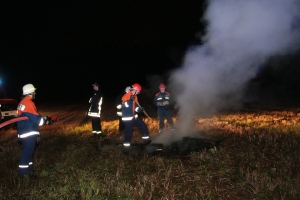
(62, 48)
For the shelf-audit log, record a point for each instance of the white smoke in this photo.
(241, 35)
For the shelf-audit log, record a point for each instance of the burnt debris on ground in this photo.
(178, 148)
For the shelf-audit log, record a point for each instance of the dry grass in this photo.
(258, 158)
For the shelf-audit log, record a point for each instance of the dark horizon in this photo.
(62, 48)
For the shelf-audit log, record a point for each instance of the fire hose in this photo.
(13, 121)
(53, 119)
(49, 121)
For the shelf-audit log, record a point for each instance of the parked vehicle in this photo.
(8, 106)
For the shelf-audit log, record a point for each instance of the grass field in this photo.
(258, 158)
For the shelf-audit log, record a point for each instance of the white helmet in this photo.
(28, 88)
(127, 89)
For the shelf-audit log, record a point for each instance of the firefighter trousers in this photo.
(162, 114)
(25, 164)
(129, 129)
(96, 125)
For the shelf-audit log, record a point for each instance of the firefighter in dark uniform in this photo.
(28, 131)
(130, 108)
(119, 109)
(95, 110)
(162, 103)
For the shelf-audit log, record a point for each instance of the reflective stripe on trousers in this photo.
(25, 135)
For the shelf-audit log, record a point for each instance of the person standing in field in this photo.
(162, 103)
(130, 108)
(119, 109)
(95, 110)
(28, 131)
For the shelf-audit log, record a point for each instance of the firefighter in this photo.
(119, 109)
(95, 110)
(130, 108)
(162, 103)
(28, 132)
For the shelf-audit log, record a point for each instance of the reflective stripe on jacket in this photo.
(96, 103)
(129, 107)
(29, 127)
(118, 104)
(162, 99)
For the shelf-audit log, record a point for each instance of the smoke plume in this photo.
(240, 37)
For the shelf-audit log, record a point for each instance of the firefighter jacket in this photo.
(118, 104)
(130, 108)
(96, 102)
(28, 128)
(162, 100)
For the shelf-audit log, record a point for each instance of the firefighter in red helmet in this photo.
(130, 110)
(162, 103)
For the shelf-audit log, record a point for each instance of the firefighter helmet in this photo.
(137, 87)
(127, 89)
(28, 88)
(162, 86)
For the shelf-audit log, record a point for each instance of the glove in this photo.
(54, 118)
(142, 109)
(165, 103)
(47, 120)
(132, 98)
(160, 104)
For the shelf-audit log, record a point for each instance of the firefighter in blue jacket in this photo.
(119, 109)
(95, 110)
(130, 108)
(162, 103)
(28, 132)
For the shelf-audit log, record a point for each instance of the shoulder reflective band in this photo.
(13, 121)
